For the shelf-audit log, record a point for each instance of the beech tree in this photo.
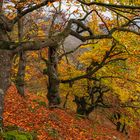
(76, 27)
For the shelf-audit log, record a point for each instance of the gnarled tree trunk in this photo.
(5, 69)
(20, 83)
(20, 79)
(53, 80)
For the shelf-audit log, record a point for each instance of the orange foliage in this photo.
(51, 124)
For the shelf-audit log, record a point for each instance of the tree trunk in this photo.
(53, 80)
(20, 82)
(5, 69)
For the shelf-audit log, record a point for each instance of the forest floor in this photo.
(31, 114)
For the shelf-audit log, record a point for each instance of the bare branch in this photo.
(87, 14)
(102, 20)
(25, 46)
(130, 21)
(23, 13)
(91, 34)
(109, 5)
(66, 53)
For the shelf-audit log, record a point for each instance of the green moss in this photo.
(16, 135)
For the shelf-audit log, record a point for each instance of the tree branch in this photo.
(96, 68)
(26, 46)
(23, 13)
(91, 34)
(66, 53)
(109, 5)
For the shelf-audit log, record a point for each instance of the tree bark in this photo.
(20, 82)
(5, 69)
(53, 80)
